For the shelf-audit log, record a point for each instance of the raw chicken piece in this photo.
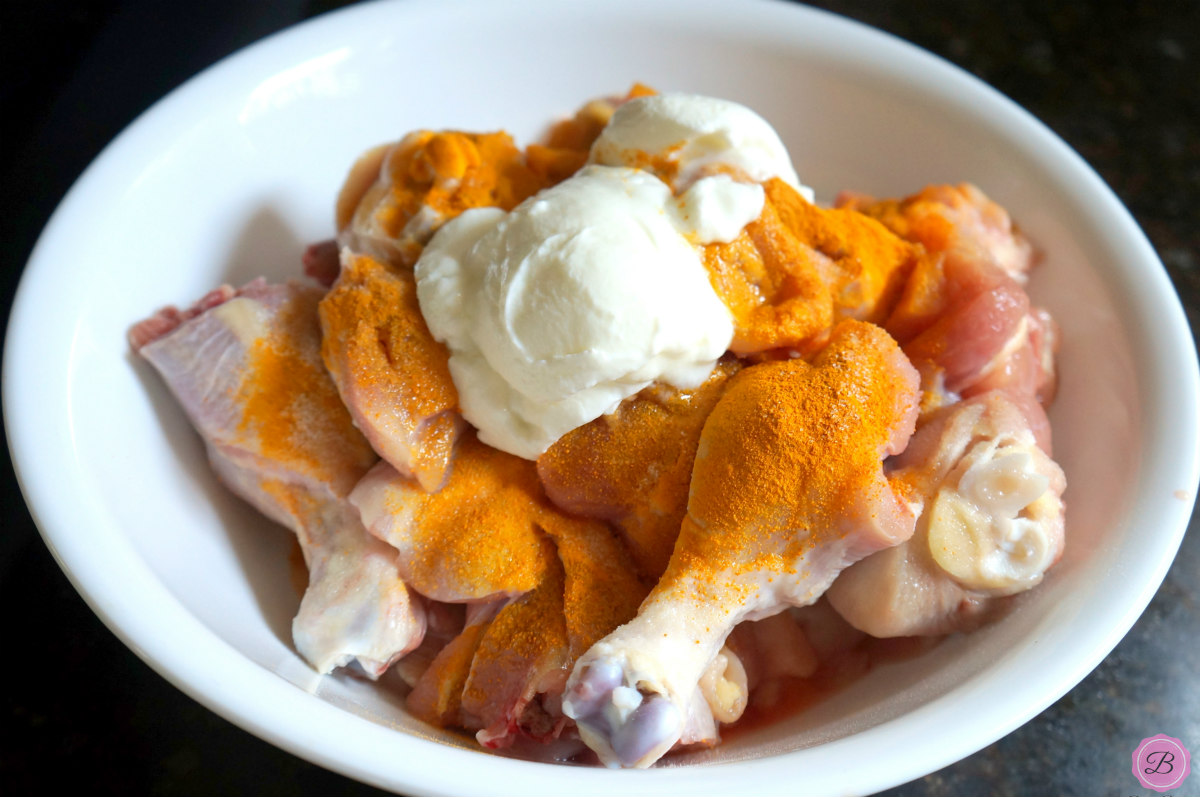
(987, 337)
(436, 697)
(476, 539)
(958, 220)
(991, 524)
(772, 649)
(798, 269)
(391, 374)
(760, 660)
(566, 145)
(963, 318)
(633, 466)
(521, 666)
(523, 653)
(490, 537)
(787, 490)
(397, 196)
(444, 622)
(322, 262)
(247, 371)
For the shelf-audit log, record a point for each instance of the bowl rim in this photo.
(164, 633)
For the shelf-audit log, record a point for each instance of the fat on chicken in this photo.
(788, 489)
(245, 366)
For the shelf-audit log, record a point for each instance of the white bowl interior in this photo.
(230, 176)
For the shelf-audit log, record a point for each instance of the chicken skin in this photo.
(541, 587)
(246, 367)
(633, 466)
(390, 372)
(787, 490)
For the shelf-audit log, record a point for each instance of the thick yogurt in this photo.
(689, 136)
(580, 297)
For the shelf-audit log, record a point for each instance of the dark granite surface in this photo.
(81, 711)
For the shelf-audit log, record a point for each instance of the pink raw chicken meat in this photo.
(964, 318)
(991, 523)
(754, 543)
(245, 365)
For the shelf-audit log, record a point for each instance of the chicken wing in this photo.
(246, 367)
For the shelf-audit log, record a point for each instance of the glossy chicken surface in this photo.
(787, 490)
(245, 365)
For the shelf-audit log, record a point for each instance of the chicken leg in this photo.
(787, 490)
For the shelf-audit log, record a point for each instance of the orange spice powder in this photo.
(450, 172)
(633, 466)
(787, 451)
(291, 410)
(383, 358)
(479, 530)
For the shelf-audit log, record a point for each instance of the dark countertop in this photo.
(83, 712)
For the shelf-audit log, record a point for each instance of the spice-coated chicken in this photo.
(246, 367)
(964, 318)
(788, 489)
(390, 372)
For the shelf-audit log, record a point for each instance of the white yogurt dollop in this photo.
(697, 135)
(580, 297)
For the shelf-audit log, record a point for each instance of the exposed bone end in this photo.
(725, 686)
(1001, 529)
(625, 723)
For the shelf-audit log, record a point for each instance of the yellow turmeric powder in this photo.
(291, 412)
(633, 466)
(431, 177)
(798, 269)
(479, 531)
(789, 452)
(565, 147)
(389, 368)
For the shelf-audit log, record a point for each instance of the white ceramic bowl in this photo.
(230, 175)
